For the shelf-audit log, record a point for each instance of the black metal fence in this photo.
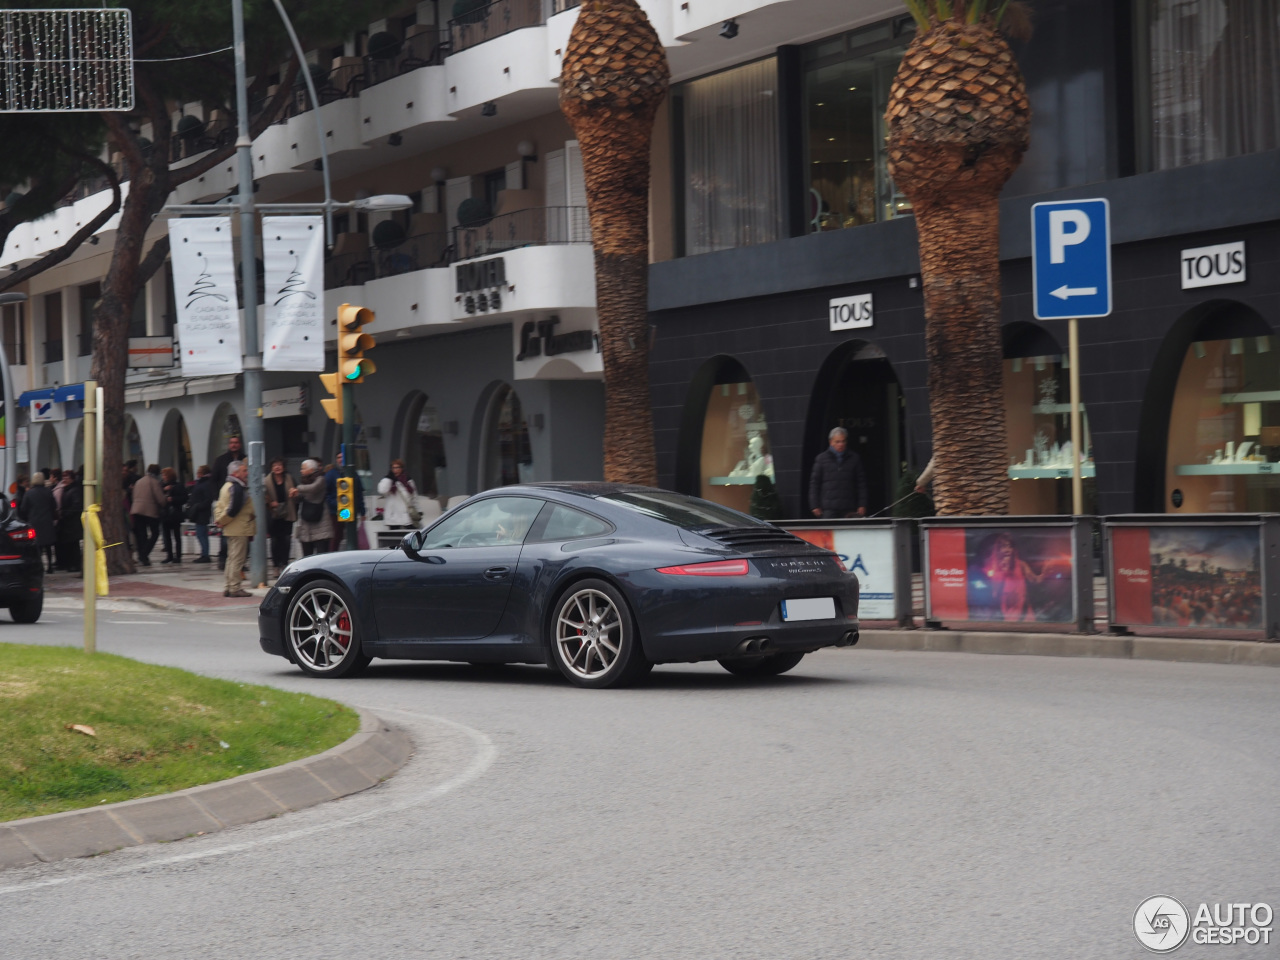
(493, 20)
(536, 226)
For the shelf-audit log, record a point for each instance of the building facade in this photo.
(784, 286)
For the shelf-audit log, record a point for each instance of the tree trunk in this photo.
(615, 162)
(111, 355)
(960, 272)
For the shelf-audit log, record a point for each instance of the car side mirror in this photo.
(411, 543)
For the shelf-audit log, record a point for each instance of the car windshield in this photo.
(690, 513)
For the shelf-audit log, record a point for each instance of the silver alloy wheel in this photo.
(588, 634)
(320, 629)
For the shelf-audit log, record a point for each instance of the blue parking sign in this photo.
(1071, 259)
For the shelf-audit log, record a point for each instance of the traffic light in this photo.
(346, 499)
(332, 405)
(352, 344)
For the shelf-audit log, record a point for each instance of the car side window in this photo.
(494, 522)
(566, 523)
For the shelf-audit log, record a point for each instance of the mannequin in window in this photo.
(756, 463)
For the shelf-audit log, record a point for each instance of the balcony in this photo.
(534, 227)
(492, 20)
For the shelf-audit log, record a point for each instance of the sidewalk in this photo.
(187, 587)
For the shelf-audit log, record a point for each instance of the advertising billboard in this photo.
(1000, 574)
(866, 552)
(1187, 576)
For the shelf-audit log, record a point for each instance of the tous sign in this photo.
(1211, 266)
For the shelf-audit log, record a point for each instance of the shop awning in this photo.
(72, 391)
(45, 394)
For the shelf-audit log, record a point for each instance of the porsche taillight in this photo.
(713, 568)
(23, 533)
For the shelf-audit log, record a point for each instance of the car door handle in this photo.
(497, 573)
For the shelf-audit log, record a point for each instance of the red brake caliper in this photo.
(344, 624)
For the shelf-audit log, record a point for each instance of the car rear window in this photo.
(689, 513)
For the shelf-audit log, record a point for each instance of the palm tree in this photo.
(958, 121)
(613, 79)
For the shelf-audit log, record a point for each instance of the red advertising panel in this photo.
(948, 596)
(1131, 574)
(819, 538)
(1206, 576)
(1001, 574)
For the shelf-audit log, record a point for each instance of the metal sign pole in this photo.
(1077, 480)
(89, 564)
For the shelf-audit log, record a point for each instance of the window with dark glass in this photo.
(53, 328)
(90, 294)
(846, 91)
(729, 131)
(15, 343)
(1209, 79)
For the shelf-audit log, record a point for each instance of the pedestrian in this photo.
(234, 514)
(41, 511)
(315, 525)
(837, 483)
(400, 509)
(331, 496)
(199, 509)
(146, 511)
(20, 490)
(175, 498)
(279, 487)
(220, 466)
(70, 527)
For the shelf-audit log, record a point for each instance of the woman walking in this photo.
(282, 510)
(175, 497)
(41, 511)
(400, 508)
(314, 526)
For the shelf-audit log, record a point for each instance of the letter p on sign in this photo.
(1060, 238)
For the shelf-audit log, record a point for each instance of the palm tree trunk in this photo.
(960, 272)
(615, 162)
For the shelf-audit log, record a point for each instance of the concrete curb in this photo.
(376, 752)
(1250, 652)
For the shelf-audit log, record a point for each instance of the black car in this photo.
(599, 580)
(21, 566)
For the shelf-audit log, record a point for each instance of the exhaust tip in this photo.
(849, 639)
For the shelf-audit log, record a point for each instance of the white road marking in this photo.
(145, 622)
(485, 754)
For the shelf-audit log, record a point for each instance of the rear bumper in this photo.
(20, 578)
(712, 619)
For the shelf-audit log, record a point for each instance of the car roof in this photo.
(585, 488)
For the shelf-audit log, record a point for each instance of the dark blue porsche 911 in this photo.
(599, 580)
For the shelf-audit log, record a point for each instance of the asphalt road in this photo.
(870, 804)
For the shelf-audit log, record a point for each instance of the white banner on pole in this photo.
(293, 258)
(204, 287)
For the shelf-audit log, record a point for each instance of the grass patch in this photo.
(158, 729)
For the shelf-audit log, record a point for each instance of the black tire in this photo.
(318, 618)
(592, 637)
(28, 610)
(768, 666)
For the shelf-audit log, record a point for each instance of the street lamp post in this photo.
(10, 408)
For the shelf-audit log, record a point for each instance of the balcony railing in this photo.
(560, 6)
(493, 20)
(538, 226)
(534, 227)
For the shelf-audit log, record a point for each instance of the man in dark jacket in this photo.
(838, 484)
(199, 509)
(219, 479)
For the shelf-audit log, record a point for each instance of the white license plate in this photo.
(813, 608)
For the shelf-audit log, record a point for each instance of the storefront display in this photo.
(1224, 428)
(735, 445)
(1038, 419)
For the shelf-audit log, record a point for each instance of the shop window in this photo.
(846, 91)
(730, 158)
(53, 328)
(424, 451)
(1038, 424)
(15, 341)
(735, 444)
(90, 294)
(1224, 428)
(508, 455)
(1210, 87)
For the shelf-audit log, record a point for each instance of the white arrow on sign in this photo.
(1064, 291)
